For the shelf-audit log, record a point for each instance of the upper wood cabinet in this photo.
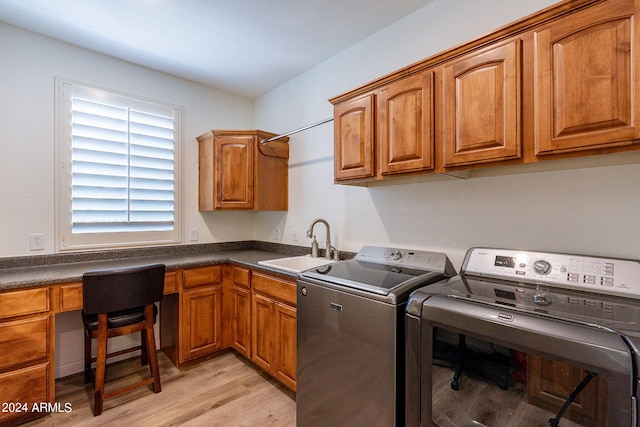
(481, 101)
(584, 79)
(562, 82)
(237, 171)
(386, 132)
(406, 130)
(353, 138)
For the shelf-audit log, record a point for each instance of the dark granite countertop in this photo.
(24, 272)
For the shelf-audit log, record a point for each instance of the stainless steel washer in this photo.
(350, 369)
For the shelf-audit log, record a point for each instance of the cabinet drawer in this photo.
(277, 288)
(71, 297)
(242, 277)
(171, 282)
(202, 276)
(28, 385)
(23, 341)
(26, 301)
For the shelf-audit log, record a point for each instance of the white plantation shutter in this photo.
(121, 173)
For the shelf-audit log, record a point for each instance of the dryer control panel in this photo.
(586, 273)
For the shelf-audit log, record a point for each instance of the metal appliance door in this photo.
(346, 372)
(586, 347)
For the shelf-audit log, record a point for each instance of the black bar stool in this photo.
(115, 303)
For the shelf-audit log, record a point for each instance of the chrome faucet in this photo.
(314, 244)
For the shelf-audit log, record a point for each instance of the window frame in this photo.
(65, 240)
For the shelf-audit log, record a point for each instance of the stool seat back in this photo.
(106, 291)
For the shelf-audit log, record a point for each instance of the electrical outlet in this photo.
(193, 234)
(294, 235)
(276, 235)
(36, 242)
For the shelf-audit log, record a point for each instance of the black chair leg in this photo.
(88, 375)
(462, 347)
(144, 352)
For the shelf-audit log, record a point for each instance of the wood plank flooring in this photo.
(225, 390)
(480, 403)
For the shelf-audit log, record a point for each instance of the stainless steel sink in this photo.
(296, 264)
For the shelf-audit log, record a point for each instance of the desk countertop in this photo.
(40, 275)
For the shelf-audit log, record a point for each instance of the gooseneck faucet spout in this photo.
(327, 254)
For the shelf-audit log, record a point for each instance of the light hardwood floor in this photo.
(225, 390)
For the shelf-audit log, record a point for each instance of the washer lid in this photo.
(368, 276)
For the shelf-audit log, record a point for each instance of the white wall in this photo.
(591, 210)
(28, 64)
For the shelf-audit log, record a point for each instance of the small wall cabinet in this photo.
(237, 171)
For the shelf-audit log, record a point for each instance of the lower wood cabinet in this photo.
(204, 310)
(550, 383)
(26, 354)
(201, 312)
(273, 327)
(240, 295)
(229, 306)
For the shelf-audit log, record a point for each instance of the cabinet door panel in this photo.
(353, 136)
(286, 345)
(406, 131)
(262, 336)
(241, 323)
(201, 328)
(234, 172)
(481, 106)
(584, 81)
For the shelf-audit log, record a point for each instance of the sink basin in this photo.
(296, 264)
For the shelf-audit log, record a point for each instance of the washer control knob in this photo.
(396, 254)
(303, 291)
(542, 267)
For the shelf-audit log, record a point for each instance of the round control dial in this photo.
(542, 267)
(396, 254)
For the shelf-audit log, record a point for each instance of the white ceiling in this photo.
(244, 46)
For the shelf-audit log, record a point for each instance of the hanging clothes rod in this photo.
(312, 125)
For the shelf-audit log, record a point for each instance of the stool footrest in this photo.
(128, 388)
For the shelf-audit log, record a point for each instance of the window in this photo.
(118, 159)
